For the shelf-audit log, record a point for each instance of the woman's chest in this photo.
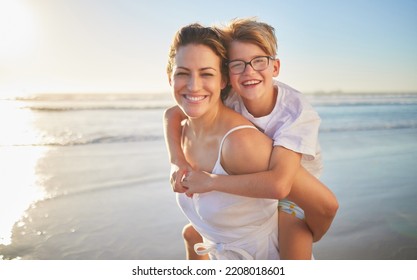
(202, 155)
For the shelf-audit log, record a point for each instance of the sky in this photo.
(104, 46)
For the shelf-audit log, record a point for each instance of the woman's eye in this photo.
(181, 74)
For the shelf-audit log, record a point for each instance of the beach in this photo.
(87, 178)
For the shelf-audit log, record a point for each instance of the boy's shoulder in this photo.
(285, 90)
(287, 95)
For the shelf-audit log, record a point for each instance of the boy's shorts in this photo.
(291, 208)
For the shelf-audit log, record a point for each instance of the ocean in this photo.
(87, 177)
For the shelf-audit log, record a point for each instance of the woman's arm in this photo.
(172, 132)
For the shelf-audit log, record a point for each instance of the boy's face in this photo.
(252, 85)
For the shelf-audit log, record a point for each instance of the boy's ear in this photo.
(276, 64)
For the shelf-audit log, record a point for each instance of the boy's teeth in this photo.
(247, 83)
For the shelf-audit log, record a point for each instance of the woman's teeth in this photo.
(195, 98)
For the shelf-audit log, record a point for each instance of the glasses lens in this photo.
(236, 67)
(259, 63)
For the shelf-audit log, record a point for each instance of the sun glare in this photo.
(18, 160)
(17, 30)
(18, 189)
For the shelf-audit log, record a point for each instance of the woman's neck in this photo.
(204, 124)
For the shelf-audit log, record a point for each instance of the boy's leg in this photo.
(191, 237)
(294, 237)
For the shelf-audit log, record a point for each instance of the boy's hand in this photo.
(197, 182)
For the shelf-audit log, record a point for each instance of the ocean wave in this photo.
(99, 105)
(60, 141)
(96, 107)
(368, 127)
(75, 102)
(361, 99)
(74, 140)
(72, 102)
(344, 103)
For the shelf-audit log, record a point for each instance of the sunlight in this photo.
(18, 124)
(19, 181)
(18, 185)
(17, 30)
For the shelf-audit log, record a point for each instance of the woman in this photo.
(218, 140)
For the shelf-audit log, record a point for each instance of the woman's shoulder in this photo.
(232, 118)
(240, 126)
(244, 136)
(246, 150)
(244, 143)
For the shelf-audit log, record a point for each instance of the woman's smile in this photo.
(195, 98)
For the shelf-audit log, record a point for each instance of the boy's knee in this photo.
(190, 234)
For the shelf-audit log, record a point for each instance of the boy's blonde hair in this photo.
(250, 30)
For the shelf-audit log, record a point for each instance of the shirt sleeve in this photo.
(300, 130)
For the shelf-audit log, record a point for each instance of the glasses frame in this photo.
(249, 63)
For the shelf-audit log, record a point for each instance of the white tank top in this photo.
(232, 226)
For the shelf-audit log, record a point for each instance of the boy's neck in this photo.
(262, 106)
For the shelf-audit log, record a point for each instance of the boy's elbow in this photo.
(281, 190)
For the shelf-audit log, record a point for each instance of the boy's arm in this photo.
(274, 183)
(172, 132)
(285, 176)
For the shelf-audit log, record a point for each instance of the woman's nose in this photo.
(194, 84)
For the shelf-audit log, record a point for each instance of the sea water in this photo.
(86, 177)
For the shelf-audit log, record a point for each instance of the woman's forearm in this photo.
(172, 132)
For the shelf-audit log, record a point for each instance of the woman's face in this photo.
(196, 79)
(252, 84)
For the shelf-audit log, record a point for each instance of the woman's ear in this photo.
(224, 84)
(169, 80)
(225, 81)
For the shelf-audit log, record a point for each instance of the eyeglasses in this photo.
(258, 63)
